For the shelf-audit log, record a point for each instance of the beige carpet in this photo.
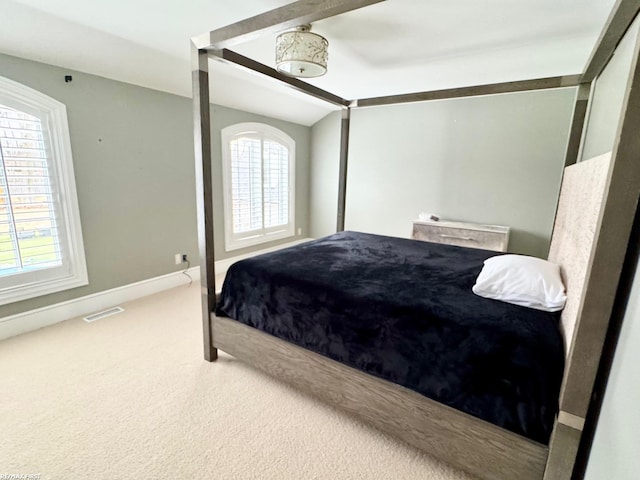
(130, 397)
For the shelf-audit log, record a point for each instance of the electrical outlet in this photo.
(180, 258)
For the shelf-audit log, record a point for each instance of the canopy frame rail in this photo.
(472, 91)
(622, 16)
(237, 60)
(288, 16)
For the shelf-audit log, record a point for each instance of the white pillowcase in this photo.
(526, 281)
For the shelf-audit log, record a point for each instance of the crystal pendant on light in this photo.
(301, 53)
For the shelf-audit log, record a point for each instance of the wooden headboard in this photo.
(574, 233)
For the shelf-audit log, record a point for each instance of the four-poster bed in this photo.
(601, 218)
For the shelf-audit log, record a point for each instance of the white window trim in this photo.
(53, 115)
(234, 241)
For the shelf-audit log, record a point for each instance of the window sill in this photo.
(231, 245)
(44, 287)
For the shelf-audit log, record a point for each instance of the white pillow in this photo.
(527, 281)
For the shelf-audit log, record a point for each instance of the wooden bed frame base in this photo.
(471, 444)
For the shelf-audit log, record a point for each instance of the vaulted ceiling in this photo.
(396, 46)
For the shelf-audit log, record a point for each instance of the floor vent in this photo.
(107, 313)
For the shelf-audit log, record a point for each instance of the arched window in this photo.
(258, 175)
(41, 249)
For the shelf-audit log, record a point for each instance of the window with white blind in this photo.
(41, 248)
(258, 175)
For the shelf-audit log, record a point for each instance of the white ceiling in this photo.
(396, 46)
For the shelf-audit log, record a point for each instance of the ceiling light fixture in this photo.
(301, 53)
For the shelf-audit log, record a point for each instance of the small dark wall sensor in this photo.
(67, 78)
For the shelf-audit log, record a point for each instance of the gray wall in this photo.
(133, 160)
(325, 154)
(493, 159)
(614, 453)
(608, 97)
(222, 117)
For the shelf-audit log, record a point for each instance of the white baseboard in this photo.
(45, 316)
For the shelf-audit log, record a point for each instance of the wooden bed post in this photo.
(607, 259)
(215, 43)
(577, 124)
(204, 193)
(344, 160)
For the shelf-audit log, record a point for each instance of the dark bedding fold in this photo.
(404, 311)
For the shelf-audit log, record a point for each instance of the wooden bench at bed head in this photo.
(574, 233)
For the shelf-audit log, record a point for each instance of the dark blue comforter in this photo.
(403, 310)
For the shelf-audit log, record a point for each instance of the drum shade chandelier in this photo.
(302, 54)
